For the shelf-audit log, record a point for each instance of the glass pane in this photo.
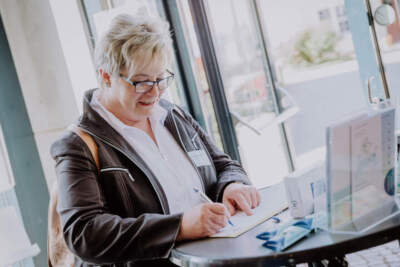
(389, 45)
(247, 90)
(99, 20)
(6, 175)
(200, 76)
(314, 61)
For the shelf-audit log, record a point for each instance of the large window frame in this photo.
(169, 10)
(214, 78)
(206, 43)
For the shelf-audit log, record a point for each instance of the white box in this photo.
(303, 187)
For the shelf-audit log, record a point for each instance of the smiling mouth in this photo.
(147, 103)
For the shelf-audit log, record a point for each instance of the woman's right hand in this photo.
(203, 220)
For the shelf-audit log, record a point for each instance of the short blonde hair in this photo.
(132, 43)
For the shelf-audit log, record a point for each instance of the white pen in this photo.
(207, 199)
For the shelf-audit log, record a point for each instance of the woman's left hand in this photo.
(241, 197)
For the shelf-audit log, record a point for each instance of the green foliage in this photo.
(312, 47)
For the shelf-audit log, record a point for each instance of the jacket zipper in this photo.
(119, 169)
(187, 153)
(142, 169)
(123, 185)
(126, 195)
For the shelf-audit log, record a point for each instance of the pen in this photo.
(276, 219)
(205, 198)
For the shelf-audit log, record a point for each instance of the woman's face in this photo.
(129, 105)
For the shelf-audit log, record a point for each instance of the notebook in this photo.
(273, 201)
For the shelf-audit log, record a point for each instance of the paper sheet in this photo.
(267, 208)
(339, 171)
(366, 165)
(372, 157)
(14, 241)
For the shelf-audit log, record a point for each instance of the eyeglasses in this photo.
(146, 86)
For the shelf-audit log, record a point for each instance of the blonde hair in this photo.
(133, 43)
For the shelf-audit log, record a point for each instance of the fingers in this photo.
(219, 221)
(241, 197)
(203, 220)
(217, 208)
(207, 219)
(243, 205)
(216, 217)
(258, 196)
(230, 207)
(255, 197)
(247, 197)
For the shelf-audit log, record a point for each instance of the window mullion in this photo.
(213, 74)
(183, 62)
(271, 77)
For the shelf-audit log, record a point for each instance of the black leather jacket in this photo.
(119, 216)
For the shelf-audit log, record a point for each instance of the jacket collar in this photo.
(95, 125)
(92, 122)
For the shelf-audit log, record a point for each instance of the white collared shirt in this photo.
(169, 163)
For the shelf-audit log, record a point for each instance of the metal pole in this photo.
(183, 61)
(207, 50)
(271, 77)
(378, 52)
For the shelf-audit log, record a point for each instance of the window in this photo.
(247, 90)
(99, 14)
(324, 14)
(283, 82)
(397, 7)
(340, 11)
(342, 19)
(317, 67)
(388, 38)
(198, 67)
(344, 26)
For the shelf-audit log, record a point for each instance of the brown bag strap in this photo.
(57, 251)
(88, 139)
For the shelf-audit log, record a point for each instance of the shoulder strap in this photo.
(88, 139)
(58, 253)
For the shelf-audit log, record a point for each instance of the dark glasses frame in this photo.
(150, 83)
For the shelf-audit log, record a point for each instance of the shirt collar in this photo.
(159, 114)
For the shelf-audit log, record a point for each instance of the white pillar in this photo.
(42, 72)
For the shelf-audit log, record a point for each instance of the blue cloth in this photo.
(287, 234)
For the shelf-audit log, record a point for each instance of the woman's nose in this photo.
(155, 90)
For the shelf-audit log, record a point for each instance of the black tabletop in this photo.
(248, 250)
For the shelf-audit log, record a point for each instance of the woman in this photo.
(152, 154)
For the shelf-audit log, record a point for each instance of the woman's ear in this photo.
(105, 77)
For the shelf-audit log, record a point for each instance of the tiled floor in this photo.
(384, 255)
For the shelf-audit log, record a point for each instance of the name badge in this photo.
(199, 157)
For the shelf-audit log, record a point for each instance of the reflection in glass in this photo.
(201, 78)
(312, 55)
(248, 91)
(98, 22)
(389, 45)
